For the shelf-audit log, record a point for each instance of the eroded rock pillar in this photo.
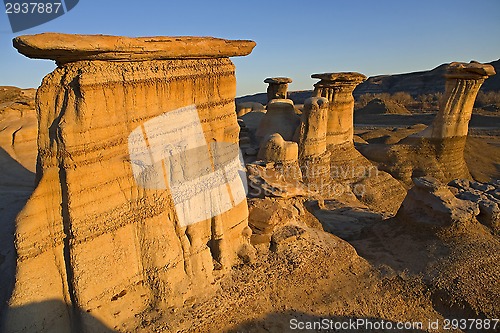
(279, 118)
(277, 88)
(338, 88)
(445, 138)
(462, 85)
(347, 164)
(314, 159)
(131, 131)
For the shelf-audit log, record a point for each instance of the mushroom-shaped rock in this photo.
(463, 81)
(338, 88)
(64, 48)
(277, 88)
(279, 118)
(142, 178)
(276, 149)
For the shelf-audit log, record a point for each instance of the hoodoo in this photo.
(130, 132)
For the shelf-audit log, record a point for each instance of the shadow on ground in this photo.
(292, 321)
(51, 316)
(16, 186)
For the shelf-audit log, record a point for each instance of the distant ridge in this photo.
(415, 83)
(418, 83)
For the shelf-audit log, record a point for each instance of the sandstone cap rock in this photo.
(65, 48)
(278, 80)
(473, 70)
(342, 76)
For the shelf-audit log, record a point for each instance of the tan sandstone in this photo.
(349, 170)
(65, 48)
(99, 235)
(462, 85)
(338, 88)
(313, 156)
(438, 150)
(279, 118)
(276, 149)
(277, 88)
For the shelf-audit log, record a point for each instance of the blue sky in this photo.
(294, 38)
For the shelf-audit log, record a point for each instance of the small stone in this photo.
(427, 183)
(257, 239)
(247, 253)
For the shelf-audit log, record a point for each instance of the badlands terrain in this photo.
(374, 209)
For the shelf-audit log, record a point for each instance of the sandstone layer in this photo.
(65, 48)
(349, 170)
(438, 150)
(462, 85)
(314, 158)
(108, 230)
(279, 118)
(277, 88)
(338, 88)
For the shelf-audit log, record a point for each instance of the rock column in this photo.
(462, 85)
(130, 132)
(445, 138)
(277, 88)
(347, 164)
(338, 88)
(350, 172)
(314, 159)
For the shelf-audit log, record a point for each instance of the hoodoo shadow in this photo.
(293, 321)
(16, 186)
(26, 312)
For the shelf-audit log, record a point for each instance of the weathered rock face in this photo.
(314, 159)
(279, 118)
(247, 107)
(486, 195)
(447, 133)
(462, 85)
(433, 204)
(438, 150)
(18, 131)
(348, 168)
(280, 172)
(277, 150)
(338, 88)
(330, 165)
(124, 150)
(312, 140)
(278, 87)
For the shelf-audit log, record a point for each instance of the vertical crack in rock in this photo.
(214, 244)
(58, 139)
(68, 236)
(14, 136)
